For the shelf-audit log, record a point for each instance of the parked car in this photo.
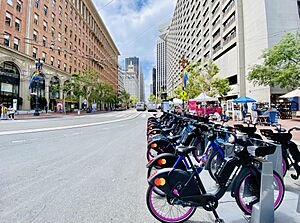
(140, 106)
(151, 107)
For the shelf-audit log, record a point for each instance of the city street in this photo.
(86, 174)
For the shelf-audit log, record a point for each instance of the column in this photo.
(47, 92)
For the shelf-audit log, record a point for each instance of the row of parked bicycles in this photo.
(180, 148)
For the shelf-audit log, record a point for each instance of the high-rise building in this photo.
(69, 36)
(131, 82)
(141, 86)
(154, 83)
(121, 76)
(136, 63)
(232, 33)
(161, 59)
(151, 89)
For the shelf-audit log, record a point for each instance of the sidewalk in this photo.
(53, 115)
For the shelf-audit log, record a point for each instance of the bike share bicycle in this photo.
(185, 191)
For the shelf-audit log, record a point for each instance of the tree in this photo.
(281, 64)
(134, 100)
(152, 98)
(203, 79)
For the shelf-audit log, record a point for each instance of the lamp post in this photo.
(39, 67)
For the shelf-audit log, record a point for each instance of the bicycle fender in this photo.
(166, 160)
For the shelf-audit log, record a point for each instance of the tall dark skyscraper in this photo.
(135, 61)
(154, 80)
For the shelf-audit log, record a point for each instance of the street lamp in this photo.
(39, 66)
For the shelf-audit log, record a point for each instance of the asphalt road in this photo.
(90, 174)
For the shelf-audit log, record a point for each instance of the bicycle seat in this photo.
(185, 150)
(174, 138)
(264, 150)
(281, 137)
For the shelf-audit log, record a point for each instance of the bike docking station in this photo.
(263, 211)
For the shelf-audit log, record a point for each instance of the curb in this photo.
(66, 127)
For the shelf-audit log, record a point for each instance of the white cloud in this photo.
(134, 26)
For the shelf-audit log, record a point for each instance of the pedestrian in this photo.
(11, 113)
(4, 112)
(0, 111)
(254, 113)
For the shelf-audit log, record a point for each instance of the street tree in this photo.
(281, 64)
(203, 79)
(133, 100)
(152, 98)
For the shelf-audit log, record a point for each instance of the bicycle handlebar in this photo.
(295, 128)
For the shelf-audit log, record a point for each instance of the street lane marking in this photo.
(66, 127)
(18, 141)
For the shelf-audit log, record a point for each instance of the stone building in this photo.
(68, 35)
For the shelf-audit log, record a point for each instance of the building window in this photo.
(58, 50)
(58, 64)
(8, 18)
(45, 25)
(44, 41)
(70, 46)
(18, 25)
(52, 31)
(53, 17)
(75, 38)
(59, 23)
(70, 69)
(71, 22)
(71, 33)
(66, 29)
(35, 36)
(37, 3)
(66, 41)
(45, 10)
(65, 67)
(44, 56)
(66, 16)
(36, 19)
(65, 55)
(10, 2)
(7, 39)
(52, 61)
(59, 37)
(53, 3)
(34, 52)
(19, 6)
(59, 10)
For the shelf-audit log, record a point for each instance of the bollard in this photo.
(263, 211)
(78, 112)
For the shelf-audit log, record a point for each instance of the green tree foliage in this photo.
(134, 100)
(152, 98)
(281, 64)
(203, 79)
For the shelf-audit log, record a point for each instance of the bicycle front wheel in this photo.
(162, 209)
(248, 190)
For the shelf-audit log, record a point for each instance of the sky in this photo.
(134, 27)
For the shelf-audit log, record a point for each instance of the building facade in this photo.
(232, 33)
(121, 76)
(131, 82)
(69, 36)
(161, 59)
(154, 83)
(136, 63)
(141, 86)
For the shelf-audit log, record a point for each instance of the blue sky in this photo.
(134, 26)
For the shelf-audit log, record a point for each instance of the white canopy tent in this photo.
(204, 98)
(292, 94)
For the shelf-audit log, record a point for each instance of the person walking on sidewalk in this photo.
(11, 112)
(3, 112)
